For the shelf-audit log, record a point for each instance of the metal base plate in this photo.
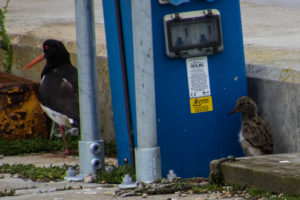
(148, 165)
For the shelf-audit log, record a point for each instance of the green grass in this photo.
(258, 193)
(116, 176)
(6, 192)
(52, 173)
(284, 197)
(26, 146)
(206, 188)
(110, 149)
(254, 192)
(57, 173)
(35, 145)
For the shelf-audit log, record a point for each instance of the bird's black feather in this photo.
(59, 85)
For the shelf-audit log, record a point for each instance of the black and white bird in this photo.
(256, 135)
(58, 93)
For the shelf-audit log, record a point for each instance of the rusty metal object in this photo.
(20, 113)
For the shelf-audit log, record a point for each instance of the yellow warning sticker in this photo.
(202, 104)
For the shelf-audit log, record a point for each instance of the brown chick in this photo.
(256, 135)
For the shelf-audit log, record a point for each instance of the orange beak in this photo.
(35, 61)
(233, 111)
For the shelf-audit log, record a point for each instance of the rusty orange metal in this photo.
(20, 113)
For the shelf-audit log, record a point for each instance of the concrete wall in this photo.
(277, 93)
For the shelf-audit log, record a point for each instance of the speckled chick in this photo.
(256, 135)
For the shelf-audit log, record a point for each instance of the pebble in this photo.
(110, 168)
(89, 192)
(16, 176)
(201, 198)
(280, 195)
(144, 195)
(226, 194)
(89, 179)
(111, 193)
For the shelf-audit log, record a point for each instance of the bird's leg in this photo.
(62, 131)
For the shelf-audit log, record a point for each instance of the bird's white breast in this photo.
(59, 118)
(43, 78)
(241, 137)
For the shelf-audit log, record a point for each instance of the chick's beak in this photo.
(233, 111)
(35, 61)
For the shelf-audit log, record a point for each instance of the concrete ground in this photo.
(277, 173)
(49, 19)
(63, 190)
(271, 37)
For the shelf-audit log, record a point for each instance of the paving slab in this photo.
(277, 173)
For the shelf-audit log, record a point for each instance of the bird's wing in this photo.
(59, 91)
(258, 134)
(268, 148)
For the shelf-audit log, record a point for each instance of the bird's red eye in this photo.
(46, 47)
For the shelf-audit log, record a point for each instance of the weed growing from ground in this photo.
(116, 175)
(5, 40)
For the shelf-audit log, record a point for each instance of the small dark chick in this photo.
(256, 135)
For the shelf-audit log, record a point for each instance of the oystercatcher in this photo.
(58, 92)
(256, 135)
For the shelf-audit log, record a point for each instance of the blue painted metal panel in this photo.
(128, 42)
(188, 141)
(116, 83)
